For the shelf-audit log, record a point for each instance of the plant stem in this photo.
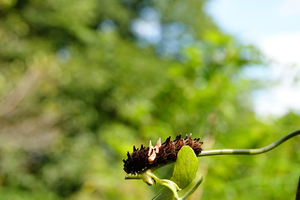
(298, 191)
(193, 189)
(249, 151)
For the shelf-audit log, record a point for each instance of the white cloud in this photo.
(278, 101)
(289, 8)
(273, 26)
(284, 47)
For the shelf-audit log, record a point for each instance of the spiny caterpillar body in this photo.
(147, 157)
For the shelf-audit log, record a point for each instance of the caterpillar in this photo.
(147, 157)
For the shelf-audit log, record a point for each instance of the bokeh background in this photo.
(83, 81)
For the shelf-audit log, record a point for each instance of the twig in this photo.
(17, 95)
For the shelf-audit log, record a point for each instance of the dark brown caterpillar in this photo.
(146, 157)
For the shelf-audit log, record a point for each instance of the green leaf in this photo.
(164, 194)
(185, 167)
(184, 173)
(193, 187)
(169, 192)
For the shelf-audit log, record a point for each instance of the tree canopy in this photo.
(83, 81)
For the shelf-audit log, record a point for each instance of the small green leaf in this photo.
(185, 167)
(193, 188)
(184, 173)
(168, 192)
(164, 194)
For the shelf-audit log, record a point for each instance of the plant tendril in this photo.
(249, 151)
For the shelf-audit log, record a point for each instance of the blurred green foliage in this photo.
(79, 86)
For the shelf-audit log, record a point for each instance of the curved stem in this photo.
(193, 189)
(249, 151)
